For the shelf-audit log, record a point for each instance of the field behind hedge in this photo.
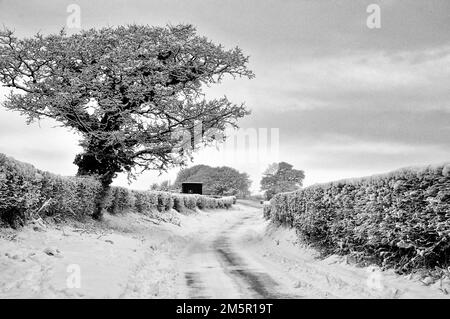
(399, 220)
(26, 193)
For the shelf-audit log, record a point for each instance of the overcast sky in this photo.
(348, 100)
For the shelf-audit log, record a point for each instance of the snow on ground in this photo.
(216, 254)
(299, 270)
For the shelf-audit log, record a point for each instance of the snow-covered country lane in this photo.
(247, 257)
(217, 264)
(218, 254)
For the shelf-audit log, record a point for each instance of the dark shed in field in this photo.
(192, 188)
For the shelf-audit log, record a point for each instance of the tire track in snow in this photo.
(251, 283)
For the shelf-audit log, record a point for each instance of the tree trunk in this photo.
(104, 168)
(101, 202)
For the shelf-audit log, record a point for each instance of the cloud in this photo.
(42, 144)
(335, 158)
(418, 78)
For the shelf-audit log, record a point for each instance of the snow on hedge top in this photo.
(443, 168)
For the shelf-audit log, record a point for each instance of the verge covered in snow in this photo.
(225, 254)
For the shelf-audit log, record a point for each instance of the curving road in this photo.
(218, 265)
(237, 254)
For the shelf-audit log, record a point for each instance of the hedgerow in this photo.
(26, 192)
(165, 201)
(190, 202)
(145, 201)
(399, 220)
(121, 200)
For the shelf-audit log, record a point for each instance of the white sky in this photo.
(348, 100)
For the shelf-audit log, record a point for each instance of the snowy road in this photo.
(245, 257)
(218, 266)
(216, 254)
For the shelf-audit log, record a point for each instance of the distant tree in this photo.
(186, 174)
(216, 180)
(163, 186)
(271, 169)
(125, 90)
(154, 187)
(281, 177)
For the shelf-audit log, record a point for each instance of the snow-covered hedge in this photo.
(142, 201)
(400, 220)
(121, 200)
(25, 190)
